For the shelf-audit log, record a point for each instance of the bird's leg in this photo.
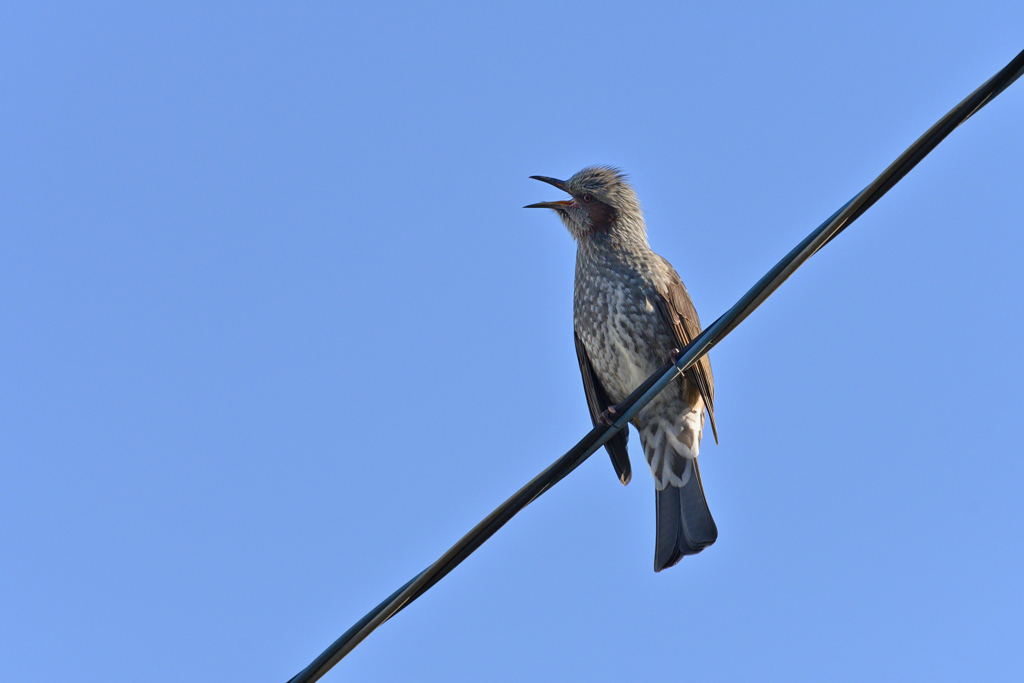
(608, 417)
(673, 356)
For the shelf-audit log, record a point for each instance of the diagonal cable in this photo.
(635, 402)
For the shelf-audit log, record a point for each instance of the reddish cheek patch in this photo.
(601, 215)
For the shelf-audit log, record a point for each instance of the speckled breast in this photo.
(619, 324)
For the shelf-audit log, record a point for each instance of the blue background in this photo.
(276, 332)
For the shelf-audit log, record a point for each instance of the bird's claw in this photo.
(608, 417)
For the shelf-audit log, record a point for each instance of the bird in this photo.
(632, 313)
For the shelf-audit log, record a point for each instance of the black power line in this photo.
(713, 334)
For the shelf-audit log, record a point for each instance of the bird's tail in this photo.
(685, 525)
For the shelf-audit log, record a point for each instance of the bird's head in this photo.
(602, 202)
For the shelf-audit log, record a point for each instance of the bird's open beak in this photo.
(560, 184)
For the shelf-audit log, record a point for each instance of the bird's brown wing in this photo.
(677, 311)
(598, 402)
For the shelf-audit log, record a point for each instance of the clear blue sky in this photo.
(275, 332)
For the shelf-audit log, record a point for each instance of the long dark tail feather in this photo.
(685, 526)
(620, 456)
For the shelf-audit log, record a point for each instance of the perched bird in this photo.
(631, 313)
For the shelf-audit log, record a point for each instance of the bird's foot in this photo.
(673, 356)
(608, 417)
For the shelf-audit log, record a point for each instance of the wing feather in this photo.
(598, 402)
(678, 312)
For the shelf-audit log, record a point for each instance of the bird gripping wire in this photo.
(654, 384)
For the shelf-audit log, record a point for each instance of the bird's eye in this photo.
(588, 198)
